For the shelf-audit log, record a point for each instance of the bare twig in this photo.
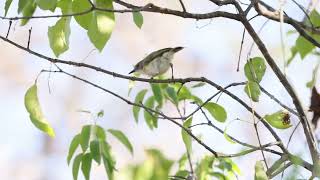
(182, 5)
(10, 23)
(29, 38)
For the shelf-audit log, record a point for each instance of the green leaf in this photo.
(47, 4)
(216, 111)
(108, 160)
(157, 92)
(138, 100)
(138, 19)
(279, 119)
(22, 4)
(252, 89)
(32, 105)
(182, 173)
(227, 137)
(149, 117)
(6, 6)
(160, 164)
(315, 18)
(73, 146)
(172, 95)
(99, 132)
(200, 84)
(183, 161)
(79, 6)
(86, 165)
(95, 150)
(312, 82)
(204, 168)
(185, 136)
(27, 8)
(255, 69)
(101, 25)
(122, 138)
(76, 165)
(260, 173)
(85, 137)
(59, 36)
(294, 52)
(303, 46)
(65, 6)
(296, 160)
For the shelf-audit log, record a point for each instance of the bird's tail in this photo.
(176, 49)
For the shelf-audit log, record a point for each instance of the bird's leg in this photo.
(171, 65)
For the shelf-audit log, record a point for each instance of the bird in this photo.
(157, 62)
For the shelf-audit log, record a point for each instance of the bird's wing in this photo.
(152, 56)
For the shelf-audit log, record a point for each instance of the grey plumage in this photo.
(153, 56)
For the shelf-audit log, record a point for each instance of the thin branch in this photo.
(278, 101)
(182, 5)
(139, 105)
(306, 126)
(260, 144)
(29, 38)
(10, 23)
(240, 51)
(183, 81)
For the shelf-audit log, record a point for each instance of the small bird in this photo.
(156, 63)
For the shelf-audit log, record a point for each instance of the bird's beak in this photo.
(132, 71)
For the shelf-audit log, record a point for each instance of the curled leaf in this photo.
(32, 105)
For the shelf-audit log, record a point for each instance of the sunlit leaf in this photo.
(6, 7)
(185, 136)
(149, 117)
(254, 69)
(252, 89)
(85, 137)
(138, 100)
(59, 36)
(122, 138)
(95, 150)
(73, 147)
(65, 6)
(279, 119)
(101, 26)
(32, 105)
(216, 111)
(260, 173)
(86, 165)
(47, 4)
(79, 6)
(76, 166)
(138, 19)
